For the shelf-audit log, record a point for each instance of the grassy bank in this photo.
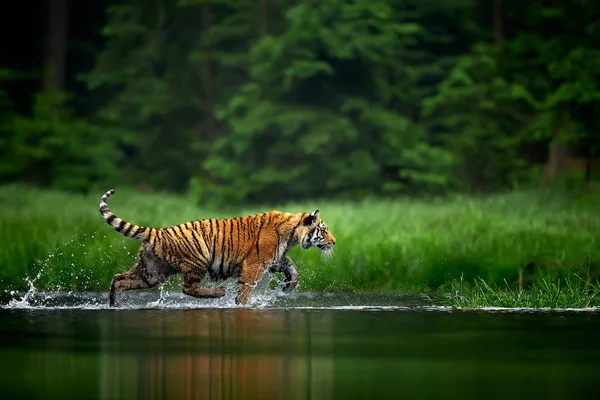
(383, 245)
(570, 291)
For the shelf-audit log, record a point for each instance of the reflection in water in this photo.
(296, 354)
(222, 355)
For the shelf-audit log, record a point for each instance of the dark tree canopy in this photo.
(272, 100)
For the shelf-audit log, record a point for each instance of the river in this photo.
(72, 346)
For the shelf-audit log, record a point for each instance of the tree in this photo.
(530, 88)
(331, 106)
(159, 70)
(50, 146)
(270, 100)
(56, 46)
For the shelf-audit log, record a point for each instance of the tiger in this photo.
(218, 249)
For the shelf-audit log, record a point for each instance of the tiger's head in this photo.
(315, 233)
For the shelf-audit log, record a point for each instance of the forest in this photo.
(255, 101)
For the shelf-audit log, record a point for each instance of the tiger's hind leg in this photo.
(129, 280)
(287, 267)
(192, 278)
(148, 272)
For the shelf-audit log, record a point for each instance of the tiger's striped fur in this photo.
(242, 247)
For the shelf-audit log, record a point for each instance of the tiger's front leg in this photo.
(287, 267)
(251, 273)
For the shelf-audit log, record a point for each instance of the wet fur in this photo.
(242, 247)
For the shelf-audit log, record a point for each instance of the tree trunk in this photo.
(263, 18)
(591, 144)
(558, 153)
(498, 24)
(208, 74)
(562, 162)
(56, 46)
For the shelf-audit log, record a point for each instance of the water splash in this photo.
(25, 300)
(165, 296)
(161, 298)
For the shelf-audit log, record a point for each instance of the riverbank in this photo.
(403, 245)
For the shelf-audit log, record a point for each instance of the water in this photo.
(169, 346)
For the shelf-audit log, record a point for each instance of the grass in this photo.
(382, 245)
(571, 292)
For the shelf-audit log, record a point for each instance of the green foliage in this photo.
(275, 134)
(5, 75)
(52, 147)
(248, 102)
(480, 110)
(539, 83)
(141, 108)
(382, 245)
(283, 130)
(547, 292)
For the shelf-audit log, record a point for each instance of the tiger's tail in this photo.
(123, 227)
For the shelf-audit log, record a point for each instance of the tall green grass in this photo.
(382, 245)
(572, 291)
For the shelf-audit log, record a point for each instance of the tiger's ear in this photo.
(311, 218)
